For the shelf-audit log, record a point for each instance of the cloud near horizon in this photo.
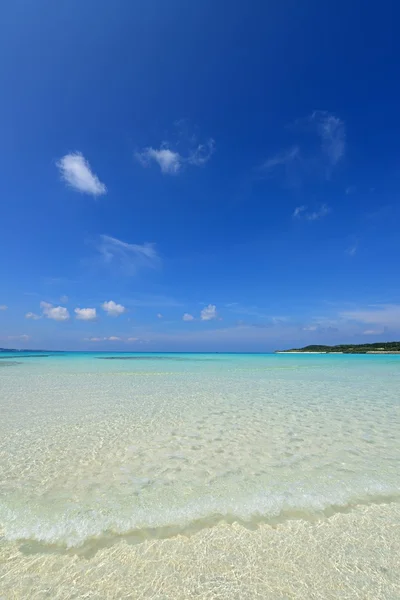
(33, 316)
(111, 338)
(57, 313)
(209, 313)
(85, 314)
(76, 172)
(385, 315)
(113, 309)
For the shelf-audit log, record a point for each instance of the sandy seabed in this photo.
(354, 555)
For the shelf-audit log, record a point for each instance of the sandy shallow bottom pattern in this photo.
(353, 555)
(231, 477)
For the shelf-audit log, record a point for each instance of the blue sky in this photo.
(199, 176)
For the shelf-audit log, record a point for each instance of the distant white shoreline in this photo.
(305, 352)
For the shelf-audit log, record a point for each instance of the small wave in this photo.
(81, 526)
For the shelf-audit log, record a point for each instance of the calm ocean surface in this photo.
(199, 475)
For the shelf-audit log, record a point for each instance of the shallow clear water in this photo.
(99, 452)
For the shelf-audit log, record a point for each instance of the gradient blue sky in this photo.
(199, 176)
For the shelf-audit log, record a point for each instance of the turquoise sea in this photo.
(199, 476)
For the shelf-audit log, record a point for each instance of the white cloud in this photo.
(384, 315)
(112, 338)
(332, 133)
(33, 316)
(3, 306)
(318, 214)
(128, 258)
(132, 339)
(76, 172)
(85, 314)
(209, 312)
(159, 316)
(170, 162)
(310, 328)
(352, 250)
(202, 154)
(301, 212)
(22, 337)
(57, 313)
(188, 317)
(281, 159)
(113, 309)
(373, 331)
(298, 211)
(319, 153)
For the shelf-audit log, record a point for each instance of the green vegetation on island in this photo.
(376, 348)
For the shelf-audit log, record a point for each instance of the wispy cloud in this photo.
(111, 338)
(24, 337)
(320, 152)
(282, 159)
(200, 155)
(33, 316)
(171, 162)
(76, 172)
(302, 212)
(3, 307)
(113, 309)
(85, 314)
(209, 313)
(373, 331)
(57, 313)
(64, 299)
(159, 316)
(332, 133)
(188, 317)
(352, 250)
(385, 315)
(125, 257)
(299, 211)
(115, 338)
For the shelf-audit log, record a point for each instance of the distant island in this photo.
(377, 348)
